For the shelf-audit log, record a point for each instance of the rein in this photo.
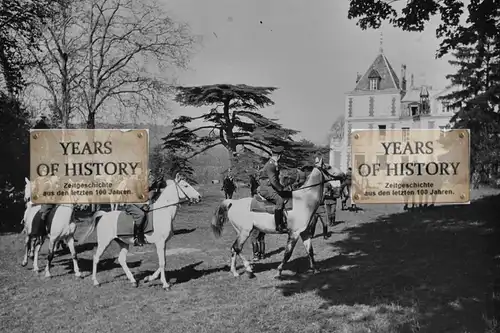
(317, 184)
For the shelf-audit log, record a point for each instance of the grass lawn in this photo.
(382, 270)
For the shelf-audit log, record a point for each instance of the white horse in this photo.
(122, 186)
(62, 228)
(305, 202)
(27, 201)
(163, 213)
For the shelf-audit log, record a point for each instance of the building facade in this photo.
(381, 100)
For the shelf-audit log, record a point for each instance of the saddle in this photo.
(261, 205)
(125, 224)
(41, 228)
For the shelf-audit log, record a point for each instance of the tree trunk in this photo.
(231, 142)
(65, 109)
(9, 73)
(91, 120)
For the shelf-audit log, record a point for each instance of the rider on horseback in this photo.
(157, 185)
(270, 187)
(45, 210)
(138, 211)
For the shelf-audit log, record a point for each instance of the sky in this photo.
(309, 50)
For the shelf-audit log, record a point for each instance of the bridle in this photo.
(328, 177)
(177, 189)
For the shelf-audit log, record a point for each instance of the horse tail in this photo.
(93, 224)
(220, 217)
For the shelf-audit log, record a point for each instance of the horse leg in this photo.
(152, 277)
(312, 227)
(122, 259)
(38, 244)
(306, 240)
(31, 253)
(101, 247)
(160, 251)
(27, 248)
(254, 235)
(236, 251)
(290, 245)
(50, 256)
(325, 224)
(262, 245)
(71, 245)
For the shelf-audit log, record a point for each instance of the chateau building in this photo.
(381, 100)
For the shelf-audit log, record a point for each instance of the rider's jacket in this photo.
(269, 175)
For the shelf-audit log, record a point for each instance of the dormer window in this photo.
(414, 110)
(446, 106)
(374, 78)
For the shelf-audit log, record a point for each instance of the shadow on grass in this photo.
(184, 231)
(185, 273)
(104, 264)
(439, 262)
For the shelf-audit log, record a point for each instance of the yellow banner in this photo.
(410, 166)
(81, 166)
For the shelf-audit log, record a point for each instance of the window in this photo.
(374, 84)
(446, 106)
(336, 159)
(381, 130)
(406, 133)
(414, 110)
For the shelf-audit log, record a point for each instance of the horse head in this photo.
(188, 191)
(178, 190)
(27, 190)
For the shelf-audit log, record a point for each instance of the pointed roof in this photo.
(383, 69)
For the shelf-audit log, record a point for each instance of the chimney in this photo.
(412, 81)
(403, 77)
(358, 77)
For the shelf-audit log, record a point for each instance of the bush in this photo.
(14, 138)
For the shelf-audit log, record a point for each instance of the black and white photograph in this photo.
(190, 166)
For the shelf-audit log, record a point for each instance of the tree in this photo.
(112, 56)
(171, 164)
(19, 19)
(482, 16)
(14, 136)
(234, 121)
(130, 43)
(59, 66)
(475, 96)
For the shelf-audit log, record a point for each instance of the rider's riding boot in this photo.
(256, 255)
(138, 237)
(43, 222)
(262, 249)
(278, 219)
(325, 232)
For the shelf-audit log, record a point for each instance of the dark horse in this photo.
(229, 187)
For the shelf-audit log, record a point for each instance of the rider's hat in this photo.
(278, 150)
